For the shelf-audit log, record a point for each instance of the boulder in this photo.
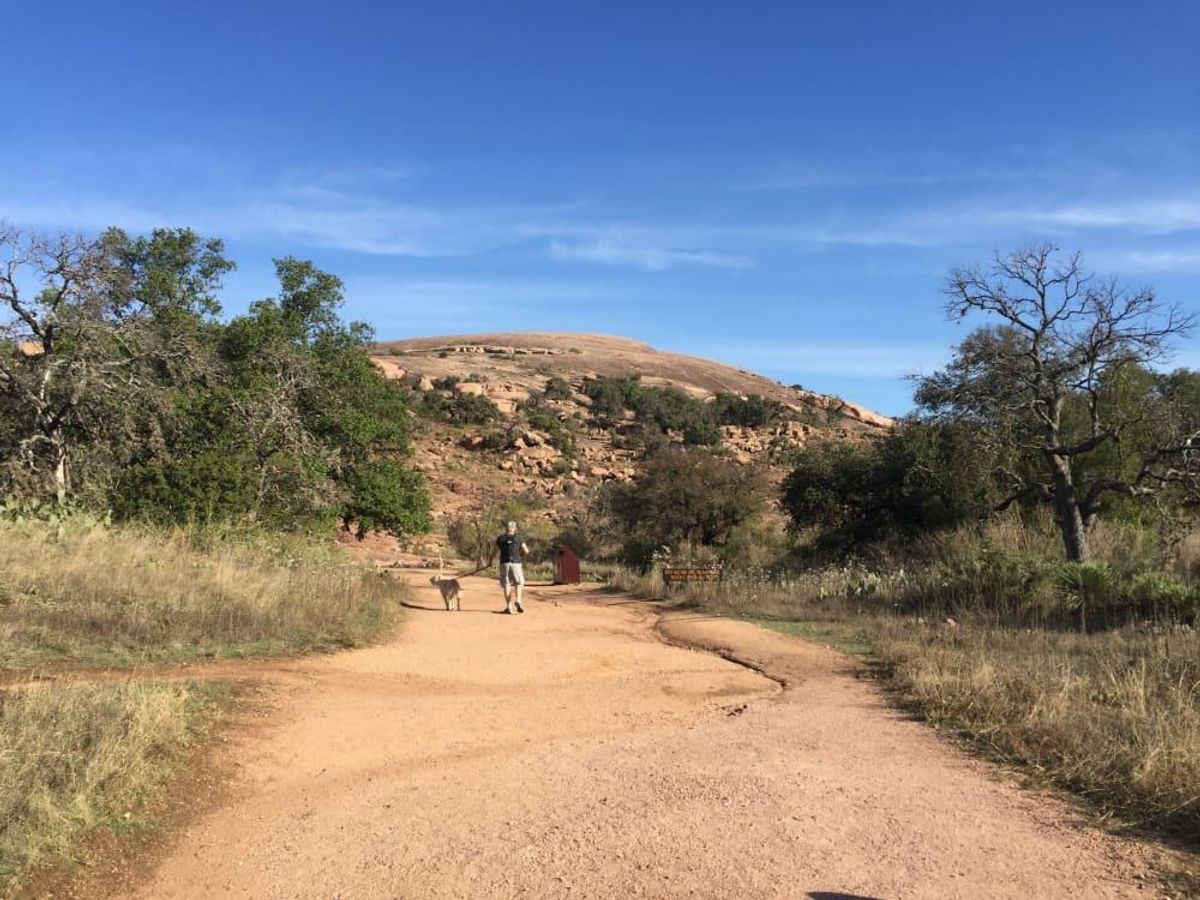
(866, 416)
(536, 439)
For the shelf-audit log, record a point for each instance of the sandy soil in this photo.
(578, 751)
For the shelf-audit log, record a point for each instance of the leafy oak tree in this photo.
(685, 497)
(97, 334)
(919, 477)
(1062, 380)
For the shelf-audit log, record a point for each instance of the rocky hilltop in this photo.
(487, 428)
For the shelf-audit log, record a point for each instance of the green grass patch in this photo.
(845, 637)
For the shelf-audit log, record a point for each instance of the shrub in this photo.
(459, 409)
(1086, 585)
(387, 496)
(435, 406)
(753, 411)
(557, 388)
(473, 409)
(543, 420)
(699, 433)
(495, 440)
(1154, 594)
(608, 396)
(208, 487)
(919, 478)
(560, 434)
(683, 497)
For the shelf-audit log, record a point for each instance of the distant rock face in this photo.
(496, 350)
(465, 467)
(865, 415)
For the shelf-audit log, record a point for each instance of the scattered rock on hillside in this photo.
(508, 369)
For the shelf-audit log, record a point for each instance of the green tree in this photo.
(685, 497)
(326, 428)
(920, 477)
(386, 495)
(1059, 377)
(110, 327)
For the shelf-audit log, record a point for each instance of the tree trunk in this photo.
(1066, 503)
(59, 448)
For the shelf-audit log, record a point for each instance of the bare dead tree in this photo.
(1045, 376)
(61, 342)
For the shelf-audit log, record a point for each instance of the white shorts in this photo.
(511, 573)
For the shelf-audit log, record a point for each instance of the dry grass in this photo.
(1113, 716)
(75, 756)
(90, 594)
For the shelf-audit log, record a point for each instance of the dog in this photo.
(451, 591)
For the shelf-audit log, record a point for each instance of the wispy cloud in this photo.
(649, 258)
(445, 299)
(1161, 260)
(802, 176)
(388, 210)
(407, 306)
(990, 220)
(359, 210)
(1152, 216)
(84, 215)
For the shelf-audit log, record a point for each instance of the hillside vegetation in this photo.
(541, 423)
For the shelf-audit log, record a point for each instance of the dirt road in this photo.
(574, 751)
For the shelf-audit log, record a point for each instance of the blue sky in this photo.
(778, 185)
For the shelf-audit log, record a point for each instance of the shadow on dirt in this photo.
(408, 604)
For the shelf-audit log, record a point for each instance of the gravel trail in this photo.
(583, 750)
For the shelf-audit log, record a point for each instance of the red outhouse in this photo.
(566, 566)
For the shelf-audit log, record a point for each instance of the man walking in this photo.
(512, 574)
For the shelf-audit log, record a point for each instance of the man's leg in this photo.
(506, 583)
(519, 586)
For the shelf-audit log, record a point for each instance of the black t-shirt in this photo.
(510, 547)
